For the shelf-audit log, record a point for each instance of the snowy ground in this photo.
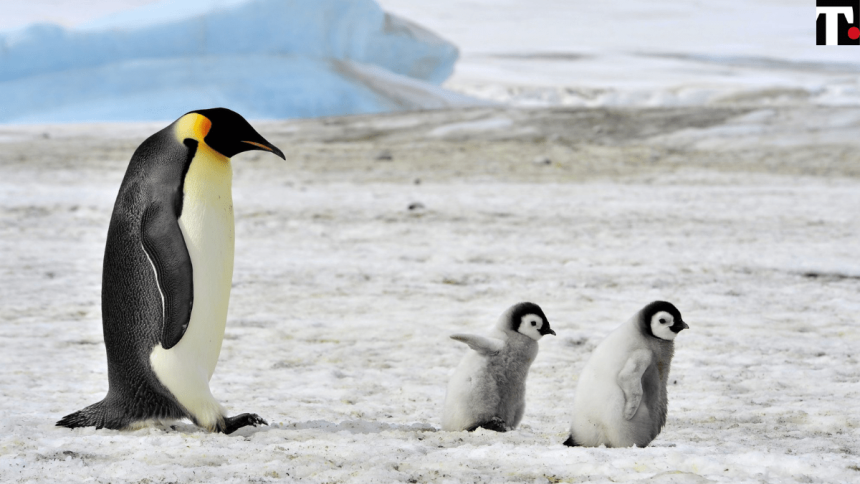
(344, 297)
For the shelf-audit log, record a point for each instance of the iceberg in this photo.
(263, 58)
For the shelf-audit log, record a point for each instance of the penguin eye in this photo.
(662, 320)
(534, 323)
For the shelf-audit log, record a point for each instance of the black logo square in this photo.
(837, 22)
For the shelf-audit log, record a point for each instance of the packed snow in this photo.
(344, 298)
(264, 58)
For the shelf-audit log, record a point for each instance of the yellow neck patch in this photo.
(196, 126)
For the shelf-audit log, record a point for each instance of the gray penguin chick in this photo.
(621, 398)
(488, 388)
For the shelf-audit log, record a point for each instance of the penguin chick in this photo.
(167, 274)
(621, 397)
(488, 388)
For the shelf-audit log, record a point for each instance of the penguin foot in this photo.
(232, 424)
(570, 442)
(495, 424)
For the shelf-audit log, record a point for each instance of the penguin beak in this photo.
(267, 147)
(547, 330)
(679, 326)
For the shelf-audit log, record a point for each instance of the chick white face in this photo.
(534, 327)
(663, 326)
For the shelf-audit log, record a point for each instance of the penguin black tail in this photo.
(570, 442)
(75, 420)
(93, 416)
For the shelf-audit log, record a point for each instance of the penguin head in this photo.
(223, 130)
(528, 319)
(662, 320)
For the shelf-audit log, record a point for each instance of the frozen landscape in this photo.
(639, 53)
(382, 234)
(118, 61)
(343, 297)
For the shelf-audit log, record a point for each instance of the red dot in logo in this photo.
(854, 33)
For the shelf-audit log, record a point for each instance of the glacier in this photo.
(267, 59)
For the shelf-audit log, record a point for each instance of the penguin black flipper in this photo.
(165, 247)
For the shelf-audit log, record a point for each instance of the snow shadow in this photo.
(356, 427)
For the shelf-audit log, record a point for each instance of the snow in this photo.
(344, 298)
(264, 58)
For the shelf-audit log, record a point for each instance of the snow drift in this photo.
(263, 58)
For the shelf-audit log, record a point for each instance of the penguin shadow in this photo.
(351, 426)
(188, 428)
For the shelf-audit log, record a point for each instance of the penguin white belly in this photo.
(595, 400)
(207, 227)
(616, 431)
(599, 401)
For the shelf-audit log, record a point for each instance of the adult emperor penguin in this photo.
(488, 388)
(621, 397)
(167, 273)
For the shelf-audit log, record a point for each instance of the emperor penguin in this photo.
(488, 388)
(621, 398)
(167, 273)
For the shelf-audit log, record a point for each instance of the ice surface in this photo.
(264, 58)
(640, 53)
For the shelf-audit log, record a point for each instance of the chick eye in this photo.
(534, 323)
(662, 321)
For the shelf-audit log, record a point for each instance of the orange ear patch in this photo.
(202, 126)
